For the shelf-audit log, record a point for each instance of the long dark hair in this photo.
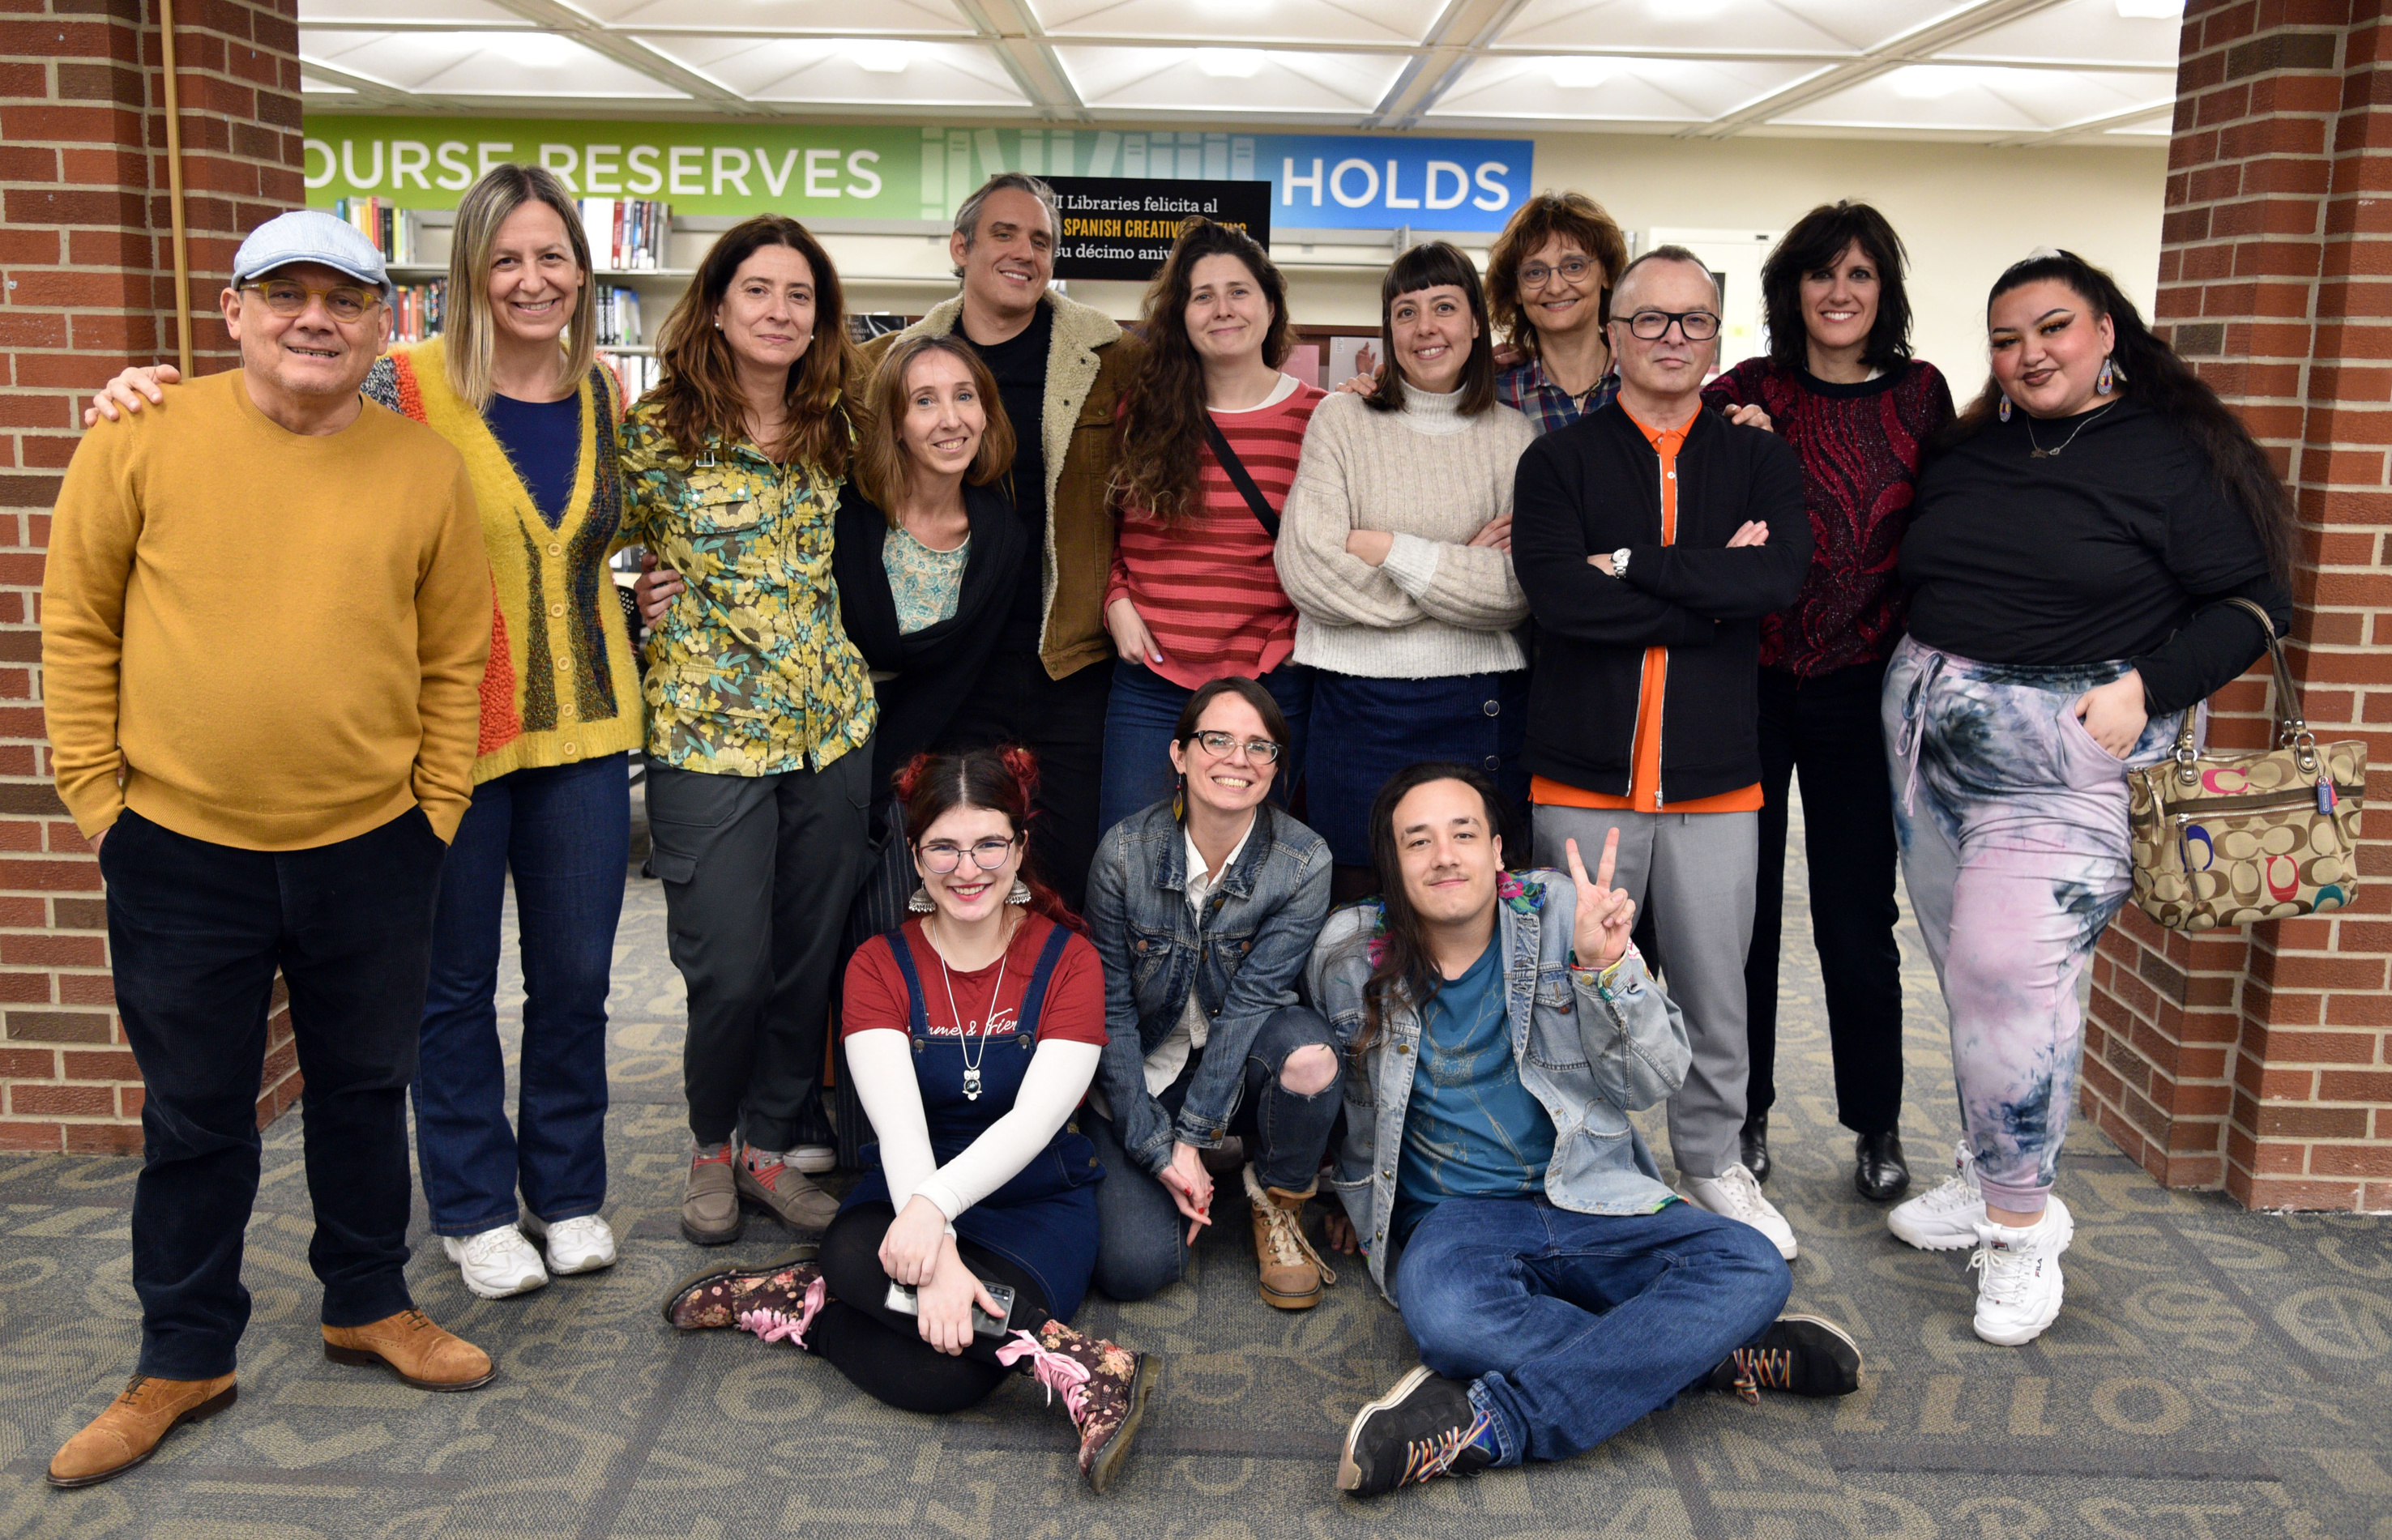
(1817, 240)
(699, 383)
(1162, 430)
(1403, 963)
(2150, 371)
(1433, 265)
(1001, 779)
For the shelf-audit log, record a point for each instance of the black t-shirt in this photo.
(2104, 550)
(1019, 365)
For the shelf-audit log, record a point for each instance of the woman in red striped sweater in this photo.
(1194, 595)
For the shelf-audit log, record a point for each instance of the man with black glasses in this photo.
(1651, 537)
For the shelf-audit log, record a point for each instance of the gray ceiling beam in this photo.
(628, 51)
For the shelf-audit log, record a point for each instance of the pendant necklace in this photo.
(971, 1065)
(2053, 453)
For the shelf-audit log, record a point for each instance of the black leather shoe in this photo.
(1879, 1169)
(1755, 1143)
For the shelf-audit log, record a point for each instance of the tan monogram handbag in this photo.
(2226, 839)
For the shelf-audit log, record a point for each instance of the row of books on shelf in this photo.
(637, 370)
(417, 313)
(618, 318)
(381, 222)
(627, 234)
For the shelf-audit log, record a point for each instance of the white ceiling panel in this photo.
(479, 64)
(1717, 26)
(2076, 32)
(1983, 97)
(849, 71)
(405, 13)
(1255, 23)
(900, 18)
(1229, 80)
(1598, 89)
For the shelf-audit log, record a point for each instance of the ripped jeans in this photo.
(2013, 823)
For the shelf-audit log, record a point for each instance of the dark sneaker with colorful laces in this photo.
(1424, 1427)
(1800, 1354)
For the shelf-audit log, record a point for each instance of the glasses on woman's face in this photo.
(1651, 326)
(1262, 751)
(1536, 274)
(942, 856)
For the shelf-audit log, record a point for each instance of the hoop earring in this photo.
(2109, 378)
(1021, 894)
(920, 903)
(2005, 408)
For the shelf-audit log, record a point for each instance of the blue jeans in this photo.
(1142, 1243)
(1144, 714)
(565, 831)
(1571, 1326)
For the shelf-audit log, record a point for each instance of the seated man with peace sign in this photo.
(1499, 1030)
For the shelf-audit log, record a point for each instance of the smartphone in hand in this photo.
(903, 1301)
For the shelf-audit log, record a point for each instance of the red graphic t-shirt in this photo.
(1074, 1011)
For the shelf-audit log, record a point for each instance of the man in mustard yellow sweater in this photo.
(264, 624)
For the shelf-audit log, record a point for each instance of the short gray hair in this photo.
(1663, 253)
(968, 215)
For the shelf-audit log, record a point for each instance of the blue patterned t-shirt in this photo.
(1472, 1130)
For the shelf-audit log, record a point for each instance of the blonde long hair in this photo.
(470, 329)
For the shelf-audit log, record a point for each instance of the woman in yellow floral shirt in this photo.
(759, 710)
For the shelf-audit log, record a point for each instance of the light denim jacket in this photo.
(1241, 955)
(1589, 1050)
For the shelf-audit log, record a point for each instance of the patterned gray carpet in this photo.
(2216, 1374)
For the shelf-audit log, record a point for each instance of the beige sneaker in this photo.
(771, 1181)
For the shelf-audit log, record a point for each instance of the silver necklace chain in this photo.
(971, 1065)
(2053, 453)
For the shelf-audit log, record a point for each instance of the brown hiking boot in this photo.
(781, 1188)
(726, 1295)
(410, 1346)
(1104, 1388)
(1292, 1272)
(710, 1200)
(134, 1424)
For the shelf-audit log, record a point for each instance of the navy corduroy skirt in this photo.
(1365, 730)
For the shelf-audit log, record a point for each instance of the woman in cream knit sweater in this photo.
(1395, 548)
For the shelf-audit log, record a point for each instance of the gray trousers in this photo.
(1694, 872)
(758, 873)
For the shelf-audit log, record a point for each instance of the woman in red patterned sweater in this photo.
(1194, 594)
(1839, 383)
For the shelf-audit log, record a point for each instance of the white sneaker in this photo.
(2018, 1276)
(496, 1263)
(582, 1244)
(1945, 1219)
(1733, 1193)
(813, 1159)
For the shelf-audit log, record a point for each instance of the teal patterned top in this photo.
(924, 583)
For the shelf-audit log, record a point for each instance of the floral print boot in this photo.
(781, 1296)
(1104, 1388)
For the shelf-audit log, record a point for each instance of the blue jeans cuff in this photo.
(1510, 1451)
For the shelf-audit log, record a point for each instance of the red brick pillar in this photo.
(2261, 1063)
(89, 275)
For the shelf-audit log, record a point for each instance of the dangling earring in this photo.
(1180, 801)
(2108, 380)
(920, 902)
(2006, 408)
(1021, 894)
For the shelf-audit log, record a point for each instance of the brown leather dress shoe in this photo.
(773, 1185)
(410, 1346)
(710, 1214)
(134, 1424)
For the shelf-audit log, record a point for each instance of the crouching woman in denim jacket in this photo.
(1502, 1028)
(1205, 908)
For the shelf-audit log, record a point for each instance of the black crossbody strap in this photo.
(1239, 478)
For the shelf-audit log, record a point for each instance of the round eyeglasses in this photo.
(1536, 274)
(942, 857)
(1262, 751)
(1651, 326)
(289, 297)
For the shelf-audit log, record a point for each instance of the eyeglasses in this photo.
(342, 302)
(1262, 751)
(1695, 326)
(942, 857)
(1536, 274)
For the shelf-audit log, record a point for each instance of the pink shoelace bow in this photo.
(774, 1325)
(1057, 1371)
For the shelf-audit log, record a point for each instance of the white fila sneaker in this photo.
(2018, 1276)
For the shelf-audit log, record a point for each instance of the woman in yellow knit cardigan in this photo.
(513, 384)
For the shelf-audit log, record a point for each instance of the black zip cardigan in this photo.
(1595, 486)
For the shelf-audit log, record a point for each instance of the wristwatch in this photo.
(1620, 562)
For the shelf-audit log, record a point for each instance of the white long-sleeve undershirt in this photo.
(882, 1059)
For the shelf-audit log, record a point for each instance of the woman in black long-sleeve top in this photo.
(2071, 562)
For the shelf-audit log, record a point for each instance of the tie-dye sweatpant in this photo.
(2012, 823)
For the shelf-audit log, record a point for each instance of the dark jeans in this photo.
(1062, 721)
(565, 831)
(1571, 1326)
(880, 1349)
(1143, 1244)
(1826, 730)
(759, 871)
(196, 931)
(1142, 716)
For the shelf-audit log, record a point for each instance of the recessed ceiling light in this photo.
(1578, 72)
(1931, 82)
(2152, 10)
(1229, 63)
(879, 57)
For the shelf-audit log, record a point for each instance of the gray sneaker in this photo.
(710, 1200)
(771, 1181)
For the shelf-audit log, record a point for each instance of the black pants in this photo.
(197, 931)
(1062, 721)
(880, 1349)
(759, 871)
(1826, 729)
